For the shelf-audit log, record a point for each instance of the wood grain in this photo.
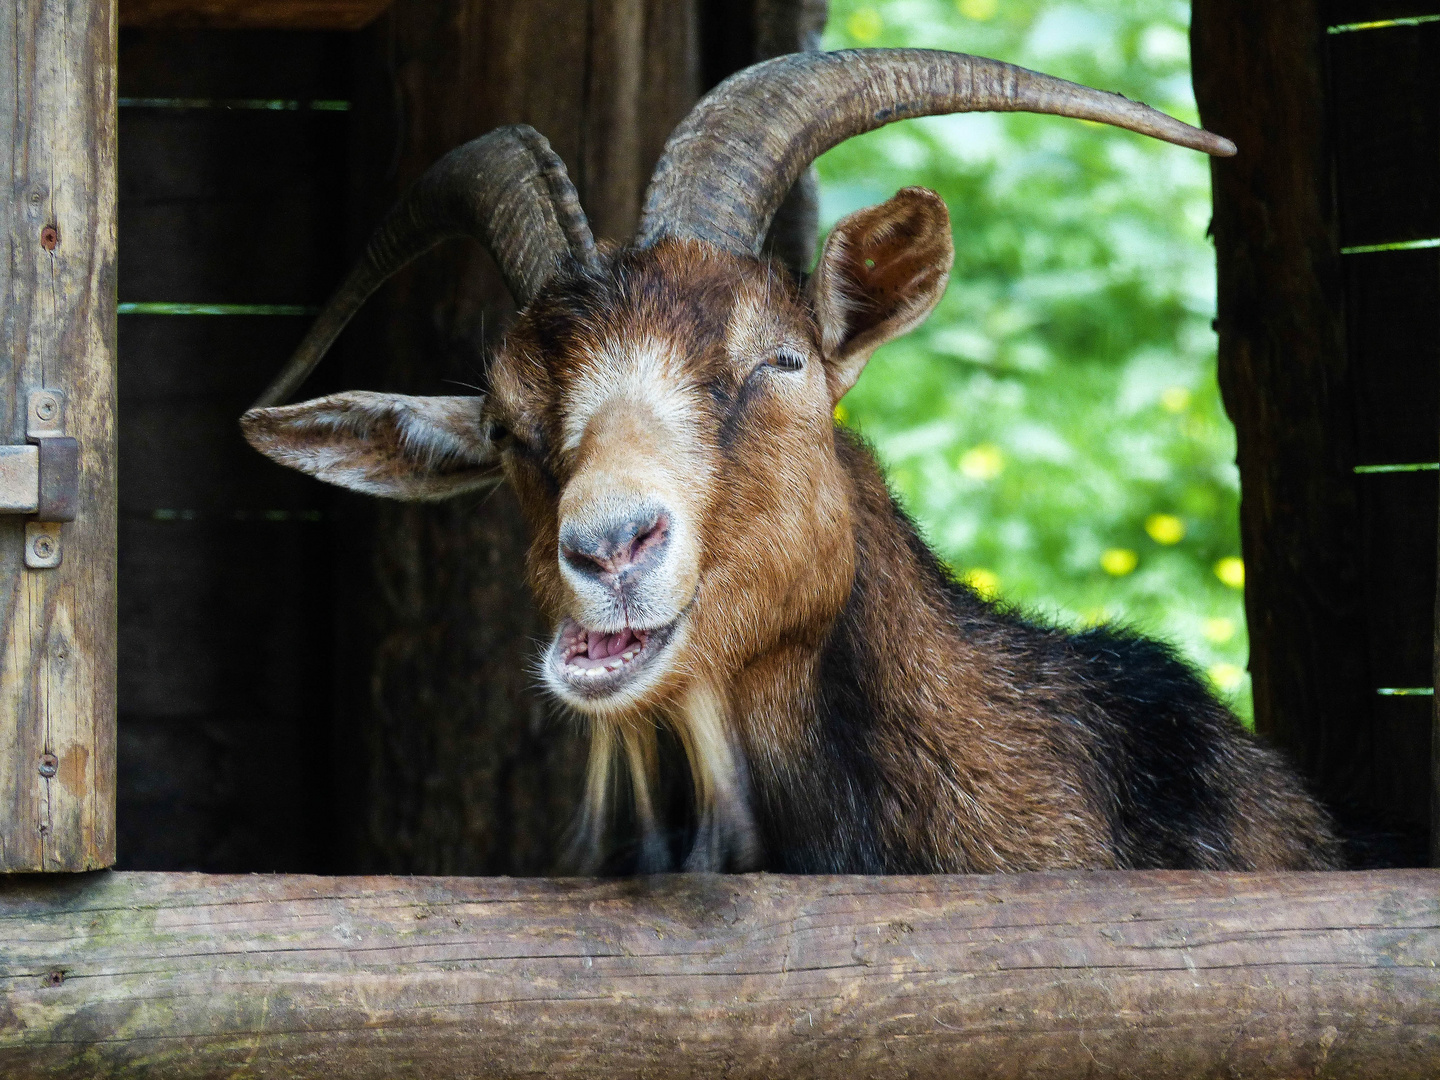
(1152, 975)
(252, 14)
(1292, 384)
(57, 659)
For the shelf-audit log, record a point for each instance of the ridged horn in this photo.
(507, 189)
(729, 164)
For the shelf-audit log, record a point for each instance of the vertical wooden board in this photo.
(1259, 78)
(57, 671)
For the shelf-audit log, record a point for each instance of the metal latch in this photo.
(42, 478)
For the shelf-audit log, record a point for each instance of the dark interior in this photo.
(235, 147)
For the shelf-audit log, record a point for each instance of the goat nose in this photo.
(612, 548)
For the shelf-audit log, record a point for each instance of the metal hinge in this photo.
(42, 478)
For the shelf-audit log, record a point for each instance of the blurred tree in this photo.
(1056, 428)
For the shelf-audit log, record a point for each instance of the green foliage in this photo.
(1056, 427)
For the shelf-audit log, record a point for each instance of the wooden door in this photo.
(57, 669)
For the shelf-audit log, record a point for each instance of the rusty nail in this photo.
(49, 237)
(45, 408)
(55, 977)
(49, 765)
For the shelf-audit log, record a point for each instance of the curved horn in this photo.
(729, 164)
(507, 189)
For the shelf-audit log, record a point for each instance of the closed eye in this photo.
(787, 359)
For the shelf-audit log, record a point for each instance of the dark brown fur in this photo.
(839, 702)
(889, 720)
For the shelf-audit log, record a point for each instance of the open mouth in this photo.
(592, 664)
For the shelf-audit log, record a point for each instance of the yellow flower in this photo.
(1219, 630)
(1225, 676)
(985, 582)
(1117, 562)
(983, 462)
(865, 25)
(1175, 399)
(1231, 570)
(979, 10)
(1165, 528)
(842, 414)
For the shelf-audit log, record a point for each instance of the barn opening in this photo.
(290, 657)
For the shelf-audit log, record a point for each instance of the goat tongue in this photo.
(603, 646)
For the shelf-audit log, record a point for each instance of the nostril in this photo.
(646, 540)
(615, 549)
(584, 562)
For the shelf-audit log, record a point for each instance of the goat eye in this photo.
(500, 435)
(787, 360)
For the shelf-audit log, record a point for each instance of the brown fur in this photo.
(840, 703)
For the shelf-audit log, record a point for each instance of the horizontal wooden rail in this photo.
(1163, 975)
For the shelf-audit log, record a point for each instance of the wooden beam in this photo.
(57, 626)
(252, 14)
(1141, 975)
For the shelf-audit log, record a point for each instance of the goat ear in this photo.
(882, 271)
(418, 449)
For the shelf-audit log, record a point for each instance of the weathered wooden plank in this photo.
(251, 14)
(57, 658)
(1287, 385)
(1385, 93)
(1155, 975)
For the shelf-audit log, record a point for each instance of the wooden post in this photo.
(57, 667)
(1329, 362)
(1149, 976)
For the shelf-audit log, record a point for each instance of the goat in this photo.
(723, 563)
